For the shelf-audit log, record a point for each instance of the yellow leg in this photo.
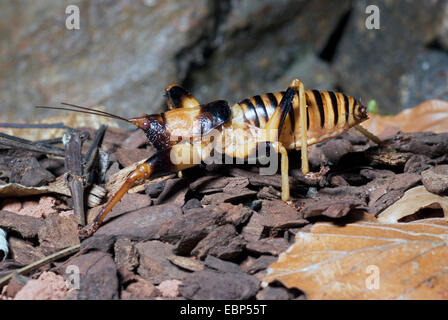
(285, 171)
(303, 126)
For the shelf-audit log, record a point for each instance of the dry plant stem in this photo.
(18, 143)
(35, 265)
(93, 150)
(73, 165)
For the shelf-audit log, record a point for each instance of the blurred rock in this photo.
(426, 79)
(370, 63)
(264, 45)
(123, 55)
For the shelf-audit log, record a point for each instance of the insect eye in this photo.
(360, 112)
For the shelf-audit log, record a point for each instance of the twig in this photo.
(19, 143)
(93, 150)
(35, 265)
(73, 165)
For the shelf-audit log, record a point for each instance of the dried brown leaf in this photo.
(334, 262)
(431, 115)
(412, 201)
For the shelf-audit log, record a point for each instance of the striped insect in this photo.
(291, 119)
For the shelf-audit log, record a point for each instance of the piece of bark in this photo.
(16, 283)
(418, 163)
(209, 184)
(335, 149)
(334, 202)
(273, 293)
(23, 252)
(28, 172)
(173, 192)
(217, 198)
(140, 289)
(154, 263)
(192, 227)
(186, 263)
(221, 265)
(129, 202)
(256, 179)
(254, 229)
(237, 215)
(191, 204)
(98, 242)
(125, 254)
(143, 224)
(269, 193)
(384, 192)
(388, 156)
(212, 285)
(261, 263)
(154, 189)
(127, 156)
(435, 180)
(223, 242)
(57, 233)
(135, 140)
(272, 246)
(98, 276)
(26, 226)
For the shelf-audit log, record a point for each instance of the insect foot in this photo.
(316, 176)
(88, 230)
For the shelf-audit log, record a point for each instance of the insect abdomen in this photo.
(328, 114)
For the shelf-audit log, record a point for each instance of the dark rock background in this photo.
(127, 52)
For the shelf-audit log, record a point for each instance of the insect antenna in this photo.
(80, 109)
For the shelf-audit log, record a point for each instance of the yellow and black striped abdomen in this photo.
(257, 110)
(328, 114)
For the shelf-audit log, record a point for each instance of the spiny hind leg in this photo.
(178, 97)
(163, 162)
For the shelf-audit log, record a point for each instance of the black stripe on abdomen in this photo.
(254, 115)
(320, 106)
(261, 108)
(347, 107)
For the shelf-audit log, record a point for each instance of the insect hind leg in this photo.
(162, 163)
(178, 97)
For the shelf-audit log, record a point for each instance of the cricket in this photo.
(286, 120)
